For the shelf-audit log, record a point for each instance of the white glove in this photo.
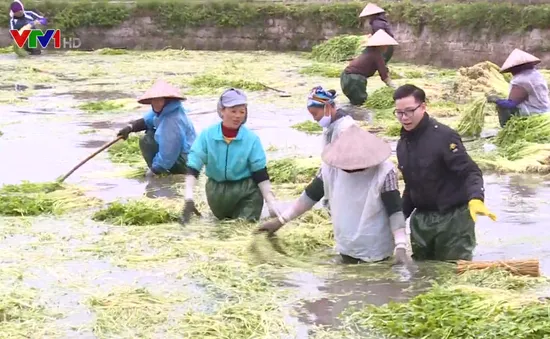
(269, 197)
(149, 173)
(390, 83)
(400, 238)
(190, 182)
(397, 224)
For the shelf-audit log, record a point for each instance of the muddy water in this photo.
(43, 139)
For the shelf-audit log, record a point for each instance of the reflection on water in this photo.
(40, 148)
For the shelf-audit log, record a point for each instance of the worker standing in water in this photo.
(528, 88)
(442, 183)
(354, 77)
(19, 18)
(376, 17)
(235, 162)
(365, 204)
(169, 132)
(321, 106)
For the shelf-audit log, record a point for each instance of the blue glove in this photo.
(43, 21)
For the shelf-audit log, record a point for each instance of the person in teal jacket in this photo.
(169, 132)
(235, 163)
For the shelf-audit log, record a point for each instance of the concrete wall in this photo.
(453, 49)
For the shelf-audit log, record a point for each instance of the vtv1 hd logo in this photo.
(34, 37)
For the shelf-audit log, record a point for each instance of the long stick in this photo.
(104, 147)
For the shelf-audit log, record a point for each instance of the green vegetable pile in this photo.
(212, 83)
(127, 151)
(309, 127)
(477, 304)
(293, 170)
(382, 98)
(33, 199)
(473, 119)
(137, 212)
(326, 70)
(533, 129)
(338, 49)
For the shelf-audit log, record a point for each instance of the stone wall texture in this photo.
(451, 49)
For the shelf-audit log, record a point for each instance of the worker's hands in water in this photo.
(188, 211)
(492, 98)
(270, 226)
(477, 207)
(125, 132)
(401, 257)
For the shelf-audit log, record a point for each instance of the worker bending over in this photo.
(235, 161)
(528, 88)
(442, 183)
(365, 203)
(169, 132)
(354, 77)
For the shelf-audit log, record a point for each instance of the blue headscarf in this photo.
(318, 97)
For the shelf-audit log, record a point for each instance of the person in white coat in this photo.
(365, 203)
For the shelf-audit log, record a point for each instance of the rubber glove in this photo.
(269, 197)
(270, 226)
(125, 132)
(149, 173)
(390, 83)
(190, 208)
(477, 207)
(43, 21)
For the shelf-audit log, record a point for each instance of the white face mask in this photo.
(325, 120)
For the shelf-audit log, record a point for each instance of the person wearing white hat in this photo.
(169, 132)
(528, 88)
(354, 77)
(236, 165)
(365, 204)
(378, 21)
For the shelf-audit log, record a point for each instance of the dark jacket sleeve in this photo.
(459, 161)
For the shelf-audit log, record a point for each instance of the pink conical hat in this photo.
(517, 58)
(161, 89)
(370, 9)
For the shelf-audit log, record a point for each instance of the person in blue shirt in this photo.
(169, 132)
(19, 18)
(235, 163)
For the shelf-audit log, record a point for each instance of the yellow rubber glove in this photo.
(476, 207)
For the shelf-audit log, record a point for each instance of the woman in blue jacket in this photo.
(235, 163)
(169, 132)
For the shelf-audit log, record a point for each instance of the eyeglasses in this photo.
(408, 112)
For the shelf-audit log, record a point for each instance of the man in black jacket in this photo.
(442, 182)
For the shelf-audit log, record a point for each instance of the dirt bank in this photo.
(448, 35)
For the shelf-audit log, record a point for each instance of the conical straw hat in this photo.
(370, 9)
(381, 38)
(517, 58)
(356, 149)
(161, 89)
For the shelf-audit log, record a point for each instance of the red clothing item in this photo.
(229, 132)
